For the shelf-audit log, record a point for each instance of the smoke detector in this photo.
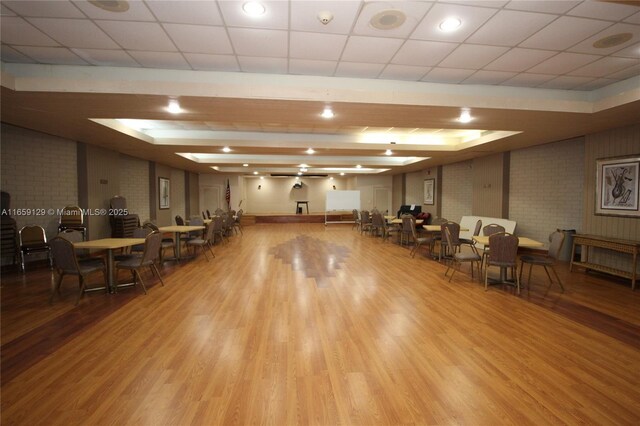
(325, 17)
(388, 19)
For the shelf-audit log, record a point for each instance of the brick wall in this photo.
(40, 172)
(134, 185)
(457, 190)
(546, 188)
(178, 206)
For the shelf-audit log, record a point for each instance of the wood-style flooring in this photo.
(307, 324)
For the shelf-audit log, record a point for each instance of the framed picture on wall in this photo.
(429, 191)
(618, 186)
(164, 193)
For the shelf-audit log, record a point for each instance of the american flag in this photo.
(227, 196)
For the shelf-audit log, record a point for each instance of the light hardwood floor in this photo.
(307, 324)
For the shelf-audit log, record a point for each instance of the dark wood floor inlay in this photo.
(316, 258)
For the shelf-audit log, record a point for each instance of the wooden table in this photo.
(622, 246)
(109, 244)
(399, 221)
(177, 230)
(436, 228)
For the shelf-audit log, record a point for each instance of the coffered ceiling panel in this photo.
(147, 36)
(44, 9)
(258, 42)
(199, 39)
(187, 12)
(19, 32)
(316, 46)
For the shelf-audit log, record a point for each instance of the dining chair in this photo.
(230, 224)
(356, 219)
(492, 228)
(237, 221)
(167, 242)
(377, 224)
(32, 240)
(218, 229)
(208, 214)
(408, 227)
(151, 253)
(503, 253)
(66, 263)
(470, 241)
(419, 240)
(459, 257)
(205, 242)
(548, 261)
(454, 231)
(179, 220)
(75, 236)
(72, 217)
(365, 221)
(204, 216)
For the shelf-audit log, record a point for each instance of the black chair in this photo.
(33, 240)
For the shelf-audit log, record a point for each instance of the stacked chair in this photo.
(122, 225)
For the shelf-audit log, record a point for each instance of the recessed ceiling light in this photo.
(226, 149)
(388, 152)
(310, 151)
(297, 178)
(255, 173)
(261, 177)
(253, 8)
(299, 173)
(331, 178)
(327, 113)
(304, 170)
(245, 165)
(341, 173)
(358, 166)
(450, 24)
(111, 5)
(465, 116)
(174, 107)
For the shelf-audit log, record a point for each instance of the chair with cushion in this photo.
(217, 224)
(503, 254)
(75, 236)
(208, 214)
(219, 211)
(548, 261)
(230, 224)
(365, 221)
(489, 230)
(377, 224)
(419, 240)
(33, 240)
(454, 232)
(147, 260)
(459, 257)
(66, 263)
(122, 222)
(470, 241)
(167, 242)
(72, 218)
(356, 219)
(237, 225)
(205, 242)
(408, 228)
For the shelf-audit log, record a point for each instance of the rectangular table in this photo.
(177, 230)
(109, 244)
(399, 221)
(622, 246)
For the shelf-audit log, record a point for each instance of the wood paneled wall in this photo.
(491, 185)
(613, 143)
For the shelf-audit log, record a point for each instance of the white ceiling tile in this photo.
(423, 53)
(404, 72)
(12, 55)
(52, 55)
(167, 60)
(604, 67)
(255, 42)
(566, 82)
(595, 84)
(80, 33)
(545, 6)
(204, 62)
(106, 58)
(633, 19)
(373, 50)
(483, 3)
(5, 11)
(563, 63)
(564, 32)
(138, 35)
(316, 45)
(518, 60)
(413, 11)
(626, 73)
(489, 77)
(186, 12)
(14, 30)
(137, 12)
(199, 38)
(527, 80)
(632, 51)
(472, 57)
(263, 65)
(447, 75)
(519, 26)
(275, 17)
(304, 16)
(472, 18)
(351, 69)
(44, 9)
(312, 67)
(603, 10)
(587, 45)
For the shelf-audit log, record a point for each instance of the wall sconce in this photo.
(259, 186)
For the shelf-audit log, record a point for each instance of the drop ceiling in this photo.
(529, 72)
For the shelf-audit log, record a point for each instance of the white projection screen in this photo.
(342, 201)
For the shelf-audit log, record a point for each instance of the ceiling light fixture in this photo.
(388, 152)
(341, 173)
(226, 149)
(299, 173)
(303, 170)
(327, 113)
(111, 5)
(174, 107)
(465, 116)
(255, 173)
(310, 151)
(253, 8)
(245, 165)
(358, 166)
(261, 177)
(450, 24)
(331, 178)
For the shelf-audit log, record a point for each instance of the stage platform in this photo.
(253, 219)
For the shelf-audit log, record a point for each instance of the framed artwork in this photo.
(429, 191)
(164, 193)
(617, 186)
